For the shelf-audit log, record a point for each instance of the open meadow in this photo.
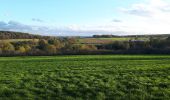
(109, 40)
(87, 77)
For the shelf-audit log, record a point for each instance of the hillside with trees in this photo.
(19, 35)
(69, 45)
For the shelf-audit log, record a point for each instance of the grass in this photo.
(94, 41)
(125, 38)
(129, 77)
(108, 40)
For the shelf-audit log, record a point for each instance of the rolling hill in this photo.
(19, 35)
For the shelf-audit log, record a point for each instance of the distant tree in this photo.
(50, 49)
(0, 50)
(27, 48)
(21, 49)
(7, 47)
(168, 38)
(87, 48)
(58, 44)
(118, 45)
(155, 43)
(18, 35)
(138, 44)
(42, 44)
(71, 40)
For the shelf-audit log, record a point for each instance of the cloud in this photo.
(116, 20)
(151, 16)
(71, 30)
(37, 20)
(15, 26)
(138, 9)
(150, 8)
(2, 23)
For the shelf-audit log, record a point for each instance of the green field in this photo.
(135, 77)
(108, 40)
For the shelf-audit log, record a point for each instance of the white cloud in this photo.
(153, 16)
(37, 20)
(117, 20)
(150, 8)
(138, 9)
(72, 30)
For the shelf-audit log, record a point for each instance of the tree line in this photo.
(45, 45)
(69, 46)
(152, 46)
(20, 35)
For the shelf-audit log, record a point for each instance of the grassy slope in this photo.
(86, 77)
(107, 40)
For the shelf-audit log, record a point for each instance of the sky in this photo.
(86, 17)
